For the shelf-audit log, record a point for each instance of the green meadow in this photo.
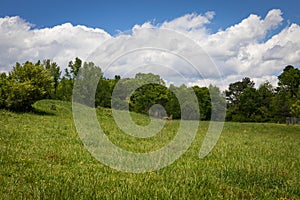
(42, 157)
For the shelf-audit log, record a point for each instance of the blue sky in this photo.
(254, 38)
(113, 15)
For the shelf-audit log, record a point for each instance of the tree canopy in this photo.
(30, 82)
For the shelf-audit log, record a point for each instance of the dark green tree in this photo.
(204, 101)
(265, 96)
(280, 106)
(172, 106)
(289, 80)
(3, 90)
(233, 97)
(248, 105)
(148, 95)
(235, 90)
(104, 93)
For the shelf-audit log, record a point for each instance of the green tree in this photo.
(248, 105)
(73, 69)
(27, 84)
(289, 80)
(55, 72)
(187, 103)
(86, 84)
(172, 106)
(204, 102)
(3, 90)
(150, 78)
(148, 95)
(295, 109)
(65, 87)
(236, 89)
(104, 92)
(218, 104)
(266, 94)
(286, 94)
(280, 106)
(233, 97)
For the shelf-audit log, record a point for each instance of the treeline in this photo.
(30, 82)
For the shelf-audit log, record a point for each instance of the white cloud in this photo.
(19, 42)
(189, 22)
(238, 51)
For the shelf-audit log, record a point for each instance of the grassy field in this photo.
(42, 157)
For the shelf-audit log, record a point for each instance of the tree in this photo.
(55, 72)
(233, 97)
(204, 102)
(148, 95)
(265, 96)
(150, 78)
(172, 106)
(187, 103)
(218, 104)
(295, 109)
(3, 90)
(289, 80)
(280, 106)
(74, 68)
(65, 87)
(122, 90)
(236, 89)
(86, 84)
(248, 105)
(103, 93)
(27, 84)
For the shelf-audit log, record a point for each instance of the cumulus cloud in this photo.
(19, 42)
(244, 49)
(189, 22)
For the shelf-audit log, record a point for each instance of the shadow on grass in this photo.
(37, 111)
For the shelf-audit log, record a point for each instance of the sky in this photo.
(252, 38)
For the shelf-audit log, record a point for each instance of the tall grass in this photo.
(42, 157)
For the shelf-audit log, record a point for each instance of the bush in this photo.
(25, 85)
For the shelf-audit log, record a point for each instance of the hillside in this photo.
(42, 157)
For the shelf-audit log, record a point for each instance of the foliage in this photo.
(86, 84)
(25, 85)
(148, 95)
(3, 90)
(55, 72)
(241, 97)
(289, 80)
(150, 78)
(73, 69)
(244, 102)
(295, 109)
(236, 89)
(204, 102)
(218, 103)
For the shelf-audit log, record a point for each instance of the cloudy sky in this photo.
(222, 40)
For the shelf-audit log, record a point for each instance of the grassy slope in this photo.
(41, 156)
